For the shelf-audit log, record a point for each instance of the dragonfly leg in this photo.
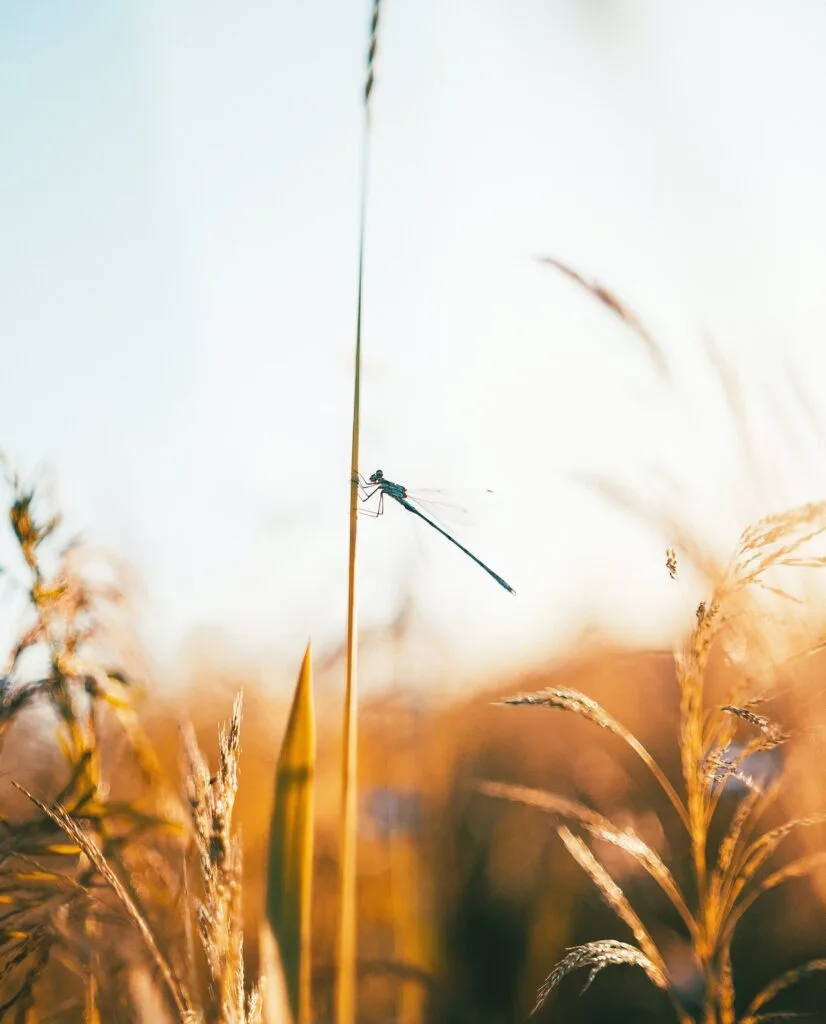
(380, 507)
(369, 494)
(369, 511)
(366, 494)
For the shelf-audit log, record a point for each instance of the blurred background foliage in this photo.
(466, 905)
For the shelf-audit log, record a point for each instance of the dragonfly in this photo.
(378, 483)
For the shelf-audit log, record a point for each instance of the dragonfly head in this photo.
(377, 477)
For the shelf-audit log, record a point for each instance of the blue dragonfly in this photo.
(379, 484)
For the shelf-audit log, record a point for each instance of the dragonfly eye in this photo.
(376, 477)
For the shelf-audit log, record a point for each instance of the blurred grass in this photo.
(681, 799)
(492, 903)
(290, 863)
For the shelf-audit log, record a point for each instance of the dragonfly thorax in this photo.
(397, 491)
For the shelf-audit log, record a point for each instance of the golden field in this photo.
(662, 814)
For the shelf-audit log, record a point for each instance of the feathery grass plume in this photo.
(346, 976)
(67, 664)
(584, 706)
(613, 895)
(90, 850)
(725, 883)
(704, 732)
(211, 800)
(290, 866)
(616, 899)
(771, 731)
(218, 911)
(596, 956)
(612, 302)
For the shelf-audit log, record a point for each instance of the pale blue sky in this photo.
(178, 207)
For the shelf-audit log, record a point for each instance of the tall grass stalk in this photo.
(346, 979)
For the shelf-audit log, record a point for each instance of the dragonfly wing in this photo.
(451, 507)
(448, 516)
